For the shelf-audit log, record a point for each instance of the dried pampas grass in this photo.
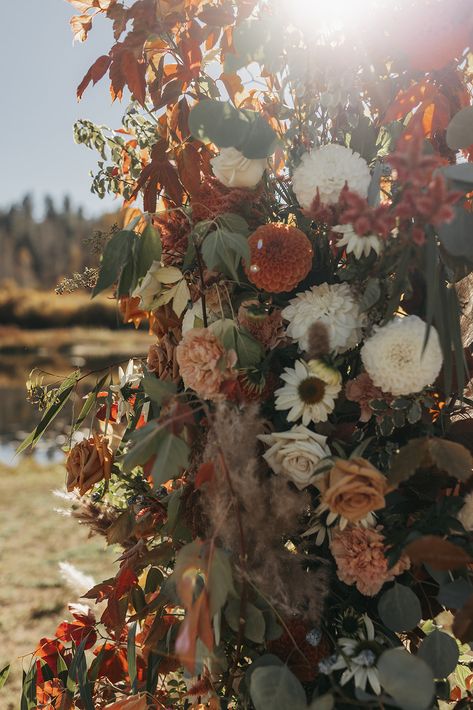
(252, 514)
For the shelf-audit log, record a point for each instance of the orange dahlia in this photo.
(213, 199)
(281, 256)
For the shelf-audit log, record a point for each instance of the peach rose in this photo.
(88, 462)
(353, 489)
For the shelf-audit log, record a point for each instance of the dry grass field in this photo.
(33, 540)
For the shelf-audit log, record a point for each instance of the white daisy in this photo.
(397, 361)
(335, 306)
(328, 169)
(129, 379)
(358, 659)
(356, 245)
(310, 391)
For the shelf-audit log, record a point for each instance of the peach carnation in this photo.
(204, 363)
(362, 390)
(280, 257)
(360, 557)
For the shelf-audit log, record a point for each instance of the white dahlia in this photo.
(328, 168)
(395, 357)
(310, 391)
(296, 454)
(356, 245)
(335, 306)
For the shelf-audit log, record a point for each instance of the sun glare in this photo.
(327, 15)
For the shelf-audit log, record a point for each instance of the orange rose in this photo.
(353, 489)
(88, 462)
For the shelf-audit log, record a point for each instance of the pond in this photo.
(54, 354)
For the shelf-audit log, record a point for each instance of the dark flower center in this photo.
(311, 390)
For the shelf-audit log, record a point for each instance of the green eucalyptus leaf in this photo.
(158, 390)
(399, 608)
(460, 129)
(172, 456)
(407, 678)
(218, 122)
(223, 250)
(149, 249)
(255, 625)
(276, 688)
(440, 652)
(454, 595)
(371, 294)
(324, 702)
(116, 255)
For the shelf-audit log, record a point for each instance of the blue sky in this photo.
(39, 71)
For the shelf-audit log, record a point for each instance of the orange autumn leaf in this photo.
(408, 99)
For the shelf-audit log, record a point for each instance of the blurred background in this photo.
(49, 222)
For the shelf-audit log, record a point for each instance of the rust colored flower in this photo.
(360, 557)
(302, 648)
(174, 229)
(214, 199)
(353, 488)
(362, 390)
(162, 359)
(204, 363)
(281, 256)
(88, 462)
(264, 325)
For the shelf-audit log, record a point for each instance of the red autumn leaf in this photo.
(134, 73)
(112, 662)
(189, 166)
(77, 632)
(217, 16)
(134, 702)
(95, 73)
(407, 100)
(170, 93)
(126, 579)
(440, 554)
(205, 474)
(159, 174)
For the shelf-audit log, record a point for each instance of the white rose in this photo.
(234, 170)
(296, 453)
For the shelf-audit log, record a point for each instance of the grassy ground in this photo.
(33, 540)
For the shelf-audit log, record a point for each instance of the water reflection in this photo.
(18, 417)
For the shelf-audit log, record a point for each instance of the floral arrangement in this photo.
(289, 474)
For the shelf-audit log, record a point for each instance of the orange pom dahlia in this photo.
(281, 256)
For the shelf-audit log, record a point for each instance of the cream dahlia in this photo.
(296, 453)
(395, 357)
(356, 245)
(328, 169)
(310, 391)
(332, 304)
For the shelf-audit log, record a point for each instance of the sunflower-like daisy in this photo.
(357, 659)
(356, 245)
(310, 391)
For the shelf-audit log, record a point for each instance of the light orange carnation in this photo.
(360, 557)
(353, 488)
(204, 363)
